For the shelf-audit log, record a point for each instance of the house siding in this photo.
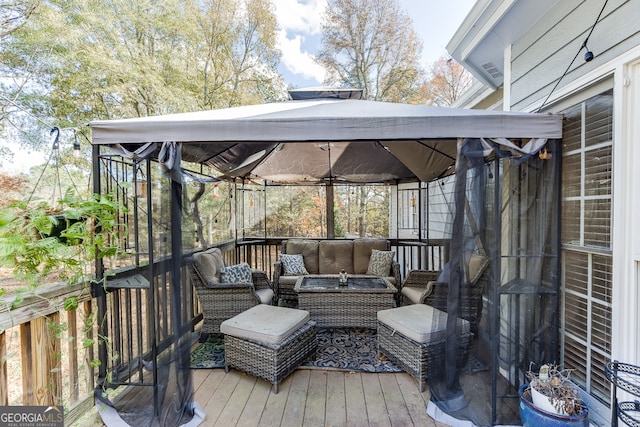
(559, 35)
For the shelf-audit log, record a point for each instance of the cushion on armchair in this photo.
(293, 265)
(477, 265)
(380, 262)
(210, 264)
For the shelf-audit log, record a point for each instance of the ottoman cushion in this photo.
(265, 323)
(419, 322)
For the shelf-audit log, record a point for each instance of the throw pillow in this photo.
(380, 262)
(240, 273)
(293, 265)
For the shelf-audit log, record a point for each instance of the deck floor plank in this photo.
(376, 408)
(336, 408)
(208, 385)
(231, 412)
(220, 397)
(294, 410)
(311, 398)
(416, 402)
(274, 410)
(315, 408)
(394, 401)
(356, 405)
(255, 405)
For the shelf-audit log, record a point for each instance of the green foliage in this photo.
(85, 228)
(81, 60)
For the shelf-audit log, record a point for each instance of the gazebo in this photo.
(507, 182)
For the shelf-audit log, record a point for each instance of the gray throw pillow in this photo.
(380, 262)
(240, 273)
(293, 265)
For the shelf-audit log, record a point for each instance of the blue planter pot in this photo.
(531, 416)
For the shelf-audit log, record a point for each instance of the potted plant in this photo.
(551, 399)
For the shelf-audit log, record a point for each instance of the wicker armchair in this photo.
(221, 301)
(470, 306)
(422, 287)
(417, 286)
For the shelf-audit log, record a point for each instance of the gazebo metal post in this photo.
(331, 232)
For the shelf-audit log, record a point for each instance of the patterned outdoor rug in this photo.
(338, 349)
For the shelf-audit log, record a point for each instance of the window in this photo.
(586, 241)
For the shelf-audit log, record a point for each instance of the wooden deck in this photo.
(311, 397)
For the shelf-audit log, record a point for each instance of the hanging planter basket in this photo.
(62, 223)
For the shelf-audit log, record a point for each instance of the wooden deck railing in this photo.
(49, 353)
(46, 351)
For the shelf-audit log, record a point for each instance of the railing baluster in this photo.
(88, 351)
(4, 386)
(72, 346)
(27, 360)
(46, 377)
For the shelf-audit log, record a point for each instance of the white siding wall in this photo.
(544, 53)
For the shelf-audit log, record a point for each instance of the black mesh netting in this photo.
(147, 381)
(501, 278)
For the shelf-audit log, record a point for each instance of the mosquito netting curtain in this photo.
(502, 278)
(145, 379)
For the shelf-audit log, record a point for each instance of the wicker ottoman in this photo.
(414, 337)
(268, 342)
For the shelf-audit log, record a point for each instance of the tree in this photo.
(74, 61)
(446, 81)
(14, 13)
(371, 44)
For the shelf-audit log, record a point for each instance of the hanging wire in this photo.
(55, 156)
(583, 46)
(54, 149)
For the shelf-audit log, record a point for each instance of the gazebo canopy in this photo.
(333, 140)
(310, 141)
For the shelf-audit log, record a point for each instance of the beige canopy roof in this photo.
(315, 140)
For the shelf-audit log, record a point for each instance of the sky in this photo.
(435, 21)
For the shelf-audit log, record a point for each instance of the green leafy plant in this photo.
(29, 245)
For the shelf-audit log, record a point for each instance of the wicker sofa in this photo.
(329, 257)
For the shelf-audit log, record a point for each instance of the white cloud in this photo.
(296, 60)
(300, 17)
(299, 26)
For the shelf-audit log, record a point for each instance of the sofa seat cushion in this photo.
(362, 253)
(265, 323)
(309, 251)
(336, 255)
(419, 322)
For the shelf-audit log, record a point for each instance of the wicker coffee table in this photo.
(353, 306)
